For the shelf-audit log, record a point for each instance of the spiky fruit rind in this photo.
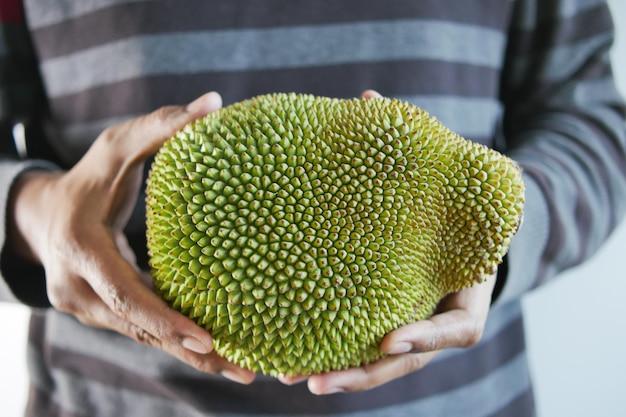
(299, 230)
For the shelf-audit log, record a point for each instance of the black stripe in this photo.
(143, 18)
(216, 394)
(22, 91)
(142, 95)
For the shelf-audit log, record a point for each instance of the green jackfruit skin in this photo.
(300, 230)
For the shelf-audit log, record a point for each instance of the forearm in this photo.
(565, 127)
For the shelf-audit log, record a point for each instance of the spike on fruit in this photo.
(299, 230)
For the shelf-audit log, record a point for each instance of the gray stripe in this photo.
(544, 160)
(527, 247)
(66, 333)
(39, 16)
(231, 50)
(600, 92)
(567, 9)
(134, 357)
(568, 59)
(559, 10)
(479, 399)
(562, 62)
(215, 394)
(168, 16)
(471, 117)
(76, 395)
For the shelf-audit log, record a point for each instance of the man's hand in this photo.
(72, 224)
(458, 322)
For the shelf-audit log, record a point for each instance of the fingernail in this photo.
(372, 94)
(194, 345)
(400, 347)
(332, 390)
(234, 376)
(292, 380)
(207, 103)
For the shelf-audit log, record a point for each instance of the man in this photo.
(529, 78)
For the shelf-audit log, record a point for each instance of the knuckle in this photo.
(428, 339)
(109, 135)
(69, 241)
(118, 300)
(162, 113)
(413, 363)
(62, 303)
(109, 143)
(163, 116)
(59, 296)
(371, 380)
(88, 320)
(200, 363)
(155, 333)
(433, 342)
(163, 332)
(208, 363)
(359, 387)
(473, 336)
(72, 238)
(144, 337)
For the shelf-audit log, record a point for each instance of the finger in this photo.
(119, 286)
(292, 380)
(476, 299)
(90, 310)
(459, 322)
(126, 305)
(143, 136)
(125, 144)
(456, 328)
(119, 153)
(368, 376)
(371, 94)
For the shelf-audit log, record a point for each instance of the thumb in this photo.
(124, 145)
(146, 134)
(112, 167)
(371, 94)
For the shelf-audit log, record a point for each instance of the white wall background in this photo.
(576, 326)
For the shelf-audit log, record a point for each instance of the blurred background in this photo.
(576, 326)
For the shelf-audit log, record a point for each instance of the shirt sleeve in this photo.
(21, 99)
(564, 125)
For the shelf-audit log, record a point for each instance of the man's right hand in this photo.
(72, 224)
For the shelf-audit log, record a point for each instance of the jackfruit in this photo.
(300, 230)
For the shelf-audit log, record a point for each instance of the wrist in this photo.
(27, 201)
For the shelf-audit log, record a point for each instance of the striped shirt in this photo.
(530, 78)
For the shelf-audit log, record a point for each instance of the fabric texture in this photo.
(527, 77)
